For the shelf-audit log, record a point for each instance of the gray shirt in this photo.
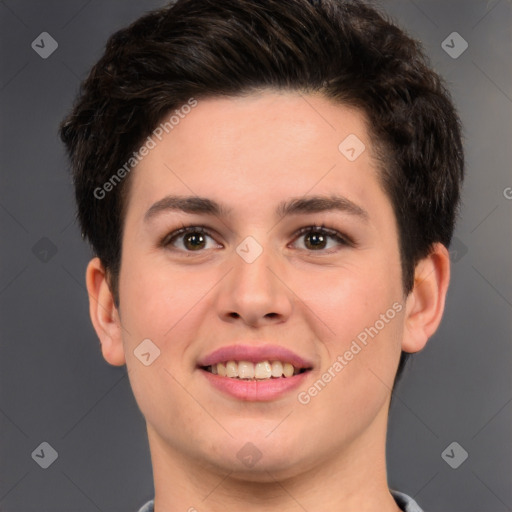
(406, 503)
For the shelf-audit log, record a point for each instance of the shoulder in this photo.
(148, 507)
(405, 502)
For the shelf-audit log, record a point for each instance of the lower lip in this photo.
(255, 390)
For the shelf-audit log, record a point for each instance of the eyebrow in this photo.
(293, 206)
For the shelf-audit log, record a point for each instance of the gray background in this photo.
(55, 385)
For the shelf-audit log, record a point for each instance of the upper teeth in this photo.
(248, 370)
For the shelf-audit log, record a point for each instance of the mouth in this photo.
(259, 371)
(255, 373)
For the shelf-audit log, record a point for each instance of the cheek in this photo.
(361, 323)
(165, 305)
(160, 307)
(357, 374)
(151, 302)
(351, 298)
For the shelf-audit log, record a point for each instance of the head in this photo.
(337, 67)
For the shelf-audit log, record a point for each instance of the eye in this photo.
(317, 237)
(189, 238)
(195, 239)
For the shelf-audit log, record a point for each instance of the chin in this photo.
(265, 470)
(251, 462)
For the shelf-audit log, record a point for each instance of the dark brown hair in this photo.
(345, 50)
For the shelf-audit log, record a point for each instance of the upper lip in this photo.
(254, 354)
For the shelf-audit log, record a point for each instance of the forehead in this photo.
(258, 148)
(280, 121)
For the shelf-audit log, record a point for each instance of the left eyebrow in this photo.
(317, 204)
(293, 206)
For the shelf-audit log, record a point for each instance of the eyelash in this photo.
(342, 239)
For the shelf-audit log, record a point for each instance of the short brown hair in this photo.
(345, 50)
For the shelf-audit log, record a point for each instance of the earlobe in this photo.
(104, 314)
(425, 303)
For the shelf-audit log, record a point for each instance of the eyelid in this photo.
(341, 238)
(191, 228)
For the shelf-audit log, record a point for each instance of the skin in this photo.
(249, 154)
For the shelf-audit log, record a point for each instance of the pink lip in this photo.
(254, 354)
(254, 390)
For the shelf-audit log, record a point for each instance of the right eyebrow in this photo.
(187, 204)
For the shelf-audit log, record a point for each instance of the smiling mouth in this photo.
(246, 370)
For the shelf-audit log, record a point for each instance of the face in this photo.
(246, 275)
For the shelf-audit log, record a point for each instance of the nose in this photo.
(255, 292)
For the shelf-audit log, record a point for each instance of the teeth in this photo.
(277, 369)
(245, 370)
(263, 370)
(288, 369)
(221, 369)
(258, 371)
(231, 369)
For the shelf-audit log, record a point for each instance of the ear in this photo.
(425, 303)
(104, 314)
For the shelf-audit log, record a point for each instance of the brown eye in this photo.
(189, 239)
(316, 238)
(194, 241)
